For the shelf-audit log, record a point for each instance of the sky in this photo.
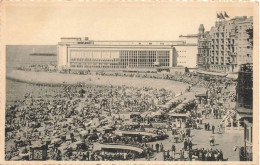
(45, 24)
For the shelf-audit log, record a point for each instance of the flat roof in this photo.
(190, 36)
(138, 41)
(127, 42)
(123, 46)
(70, 38)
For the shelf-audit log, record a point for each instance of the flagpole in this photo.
(221, 16)
(216, 16)
(224, 16)
(218, 20)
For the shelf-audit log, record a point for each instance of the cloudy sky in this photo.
(42, 23)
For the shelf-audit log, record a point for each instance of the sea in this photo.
(19, 55)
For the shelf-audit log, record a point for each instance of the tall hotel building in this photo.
(80, 54)
(226, 46)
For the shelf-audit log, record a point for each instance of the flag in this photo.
(225, 14)
(218, 16)
(221, 16)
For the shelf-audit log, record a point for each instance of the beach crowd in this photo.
(70, 121)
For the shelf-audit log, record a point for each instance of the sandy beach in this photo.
(59, 79)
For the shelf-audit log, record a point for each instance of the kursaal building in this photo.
(82, 53)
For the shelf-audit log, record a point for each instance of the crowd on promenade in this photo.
(39, 68)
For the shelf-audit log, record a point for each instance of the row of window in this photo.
(93, 65)
(122, 58)
(109, 65)
(220, 68)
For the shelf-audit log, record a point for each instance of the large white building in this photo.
(186, 53)
(78, 53)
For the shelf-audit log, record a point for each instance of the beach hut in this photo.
(175, 117)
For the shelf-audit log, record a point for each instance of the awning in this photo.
(135, 133)
(232, 76)
(135, 113)
(187, 101)
(157, 113)
(130, 123)
(146, 114)
(178, 114)
(56, 140)
(167, 105)
(201, 95)
(180, 106)
(98, 146)
(242, 110)
(241, 116)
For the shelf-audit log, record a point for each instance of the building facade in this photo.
(187, 54)
(244, 108)
(204, 49)
(227, 46)
(78, 53)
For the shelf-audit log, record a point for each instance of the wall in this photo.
(187, 56)
(61, 56)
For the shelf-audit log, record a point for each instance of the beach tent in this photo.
(157, 113)
(180, 106)
(56, 140)
(178, 114)
(84, 133)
